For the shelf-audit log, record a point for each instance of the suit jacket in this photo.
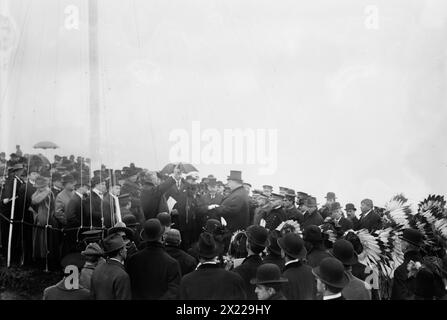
(110, 282)
(151, 199)
(77, 211)
(187, 262)
(293, 214)
(59, 292)
(210, 282)
(275, 259)
(302, 284)
(96, 209)
(356, 289)
(62, 200)
(109, 211)
(154, 274)
(372, 221)
(247, 270)
(204, 201)
(235, 210)
(313, 218)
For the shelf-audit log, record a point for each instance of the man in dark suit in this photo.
(211, 197)
(341, 223)
(269, 283)
(96, 201)
(234, 207)
(331, 279)
(311, 216)
(369, 219)
(154, 274)
(209, 281)
(257, 240)
(274, 251)
(110, 207)
(316, 251)
(301, 284)
(57, 185)
(153, 194)
(172, 241)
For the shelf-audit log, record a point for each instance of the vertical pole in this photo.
(4, 63)
(14, 191)
(95, 129)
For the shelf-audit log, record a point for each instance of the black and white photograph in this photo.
(203, 151)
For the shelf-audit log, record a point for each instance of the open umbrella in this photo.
(184, 167)
(45, 145)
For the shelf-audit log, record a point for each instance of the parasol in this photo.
(45, 145)
(184, 167)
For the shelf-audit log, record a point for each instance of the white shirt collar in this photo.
(80, 195)
(291, 261)
(206, 262)
(121, 262)
(367, 212)
(332, 296)
(98, 193)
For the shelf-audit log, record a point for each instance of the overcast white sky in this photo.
(359, 111)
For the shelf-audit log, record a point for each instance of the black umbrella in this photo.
(184, 167)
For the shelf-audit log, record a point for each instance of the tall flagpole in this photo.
(95, 123)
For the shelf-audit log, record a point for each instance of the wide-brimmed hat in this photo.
(258, 235)
(121, 227)
(93, 249)
(413, 237)
(206, 246)
(235, 176)
(152, 230)
(113, 243)
(344, 251)
(293, 245)
(331, 272)
(41, 182)
(268, 273)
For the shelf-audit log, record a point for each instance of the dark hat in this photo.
(165, 219)
(211, 225)
(330, 195)
(343, 250)
(331, 272)
(235, 176)
(266, 186)
(93, 249)
(92, 235)
(121, 227)
(207, 247)
(312, 234)
(41, 182)
(73, 259)
(173, 237)
(277, 196)
(68, 179)
(301, 194)
(413, 237)
(17, 167)
(95, 181)
(113, 243)
(258, 235)
(274, 247)
(350, 206)
(212, 182)
(336, 206)
(152, 230)
(124, 199)
(130, 220)
(293, 245)
(268, 273)
(283, 190)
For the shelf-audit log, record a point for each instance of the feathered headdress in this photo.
(289, 226)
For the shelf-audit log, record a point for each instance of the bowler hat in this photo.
(312, 234)
(165, 219)
(331, 272)
(96, 180)
(258, 235)
(130, 220)
(413, 237)
(121, 227)
(152, 230)
(268, 273)
(235, 176)
(207, 247)
(93, 249)
(173, 237)
(343, 250)
(293, 245)
(336, 206)
(350, 206)
(331, 195)
(73, 259)
(113, 242)
(211, 225)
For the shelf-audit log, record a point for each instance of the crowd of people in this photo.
(139, 234)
